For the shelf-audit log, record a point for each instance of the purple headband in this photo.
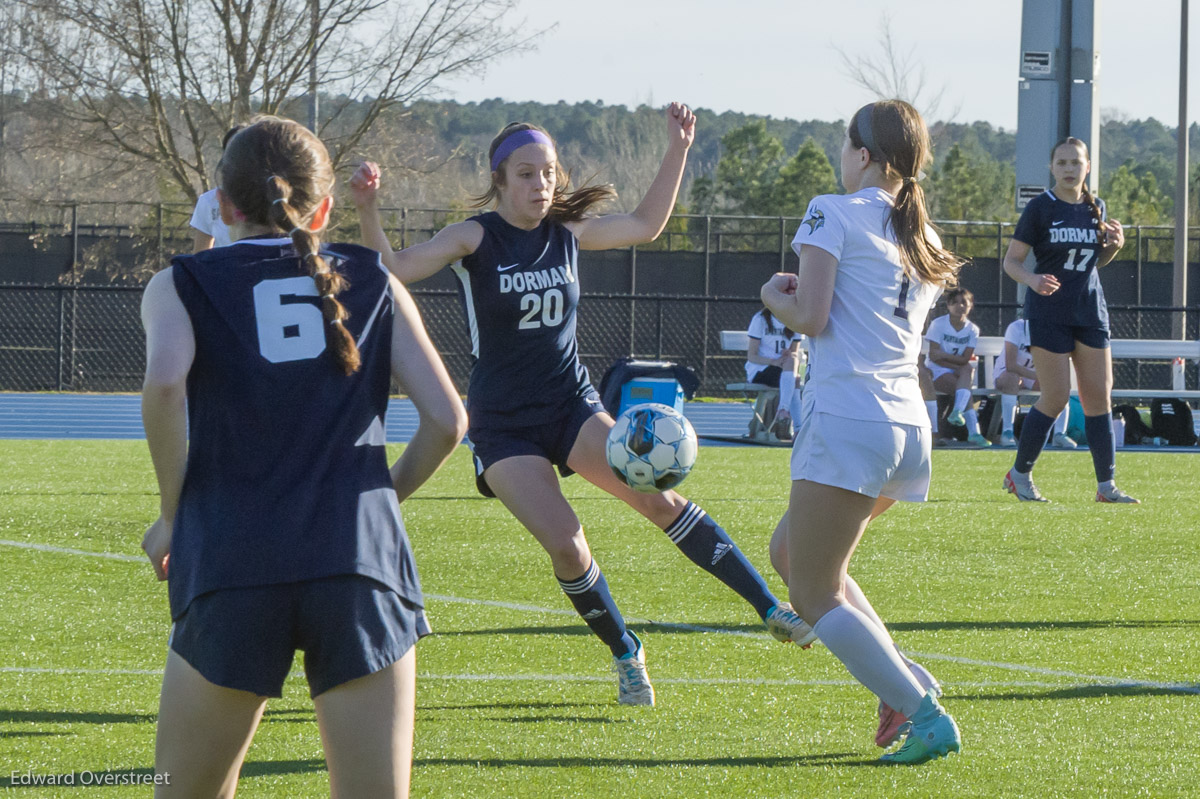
(515, 140)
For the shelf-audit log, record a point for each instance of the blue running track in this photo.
(109, 416)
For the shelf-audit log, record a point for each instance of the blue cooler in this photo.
(663, 390)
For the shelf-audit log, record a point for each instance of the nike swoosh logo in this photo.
(506, 268)
(1059, 222)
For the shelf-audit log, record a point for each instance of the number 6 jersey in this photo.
(863, 365)
(287, 475)
(520, 290)
(1066, 243)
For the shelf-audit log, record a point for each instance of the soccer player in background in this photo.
(530, 402)
(951, 361)
(268, 368)
(208, 229)
(773, 359)
(871, 268)
(1071, 237)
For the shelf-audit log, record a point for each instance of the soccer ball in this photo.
(651, 448)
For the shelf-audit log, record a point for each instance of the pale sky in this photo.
(780, 57)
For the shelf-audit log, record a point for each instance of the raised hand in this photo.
(681, 124)
(364, 183)
(1116, 234)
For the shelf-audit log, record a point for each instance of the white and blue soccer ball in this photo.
(651, 448)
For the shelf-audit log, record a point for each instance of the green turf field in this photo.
(1065, 637)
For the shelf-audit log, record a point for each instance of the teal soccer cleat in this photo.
(934, 734)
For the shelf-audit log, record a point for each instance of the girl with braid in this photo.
(531, 404)
(268, 368)
(871, 267)
(1070, 236)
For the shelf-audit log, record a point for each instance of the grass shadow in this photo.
(1084, 692)
(68, 717)
(1042, 624)
(817, 760)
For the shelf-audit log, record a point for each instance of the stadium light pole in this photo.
(1179, 286)
(314, 11)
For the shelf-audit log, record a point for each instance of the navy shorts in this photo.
(552, 440)
(348, 626)
(1054, 336)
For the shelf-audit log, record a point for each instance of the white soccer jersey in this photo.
(1018, 335)
(863, 365)
(207, 219)
(772, 342)
(953, 342)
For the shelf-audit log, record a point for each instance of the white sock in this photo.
(962, 396)
(797, 401)
(931, 408)
(787, 387)
(1008, 407)
(869, 655)
(1060, 421)
(972, 419)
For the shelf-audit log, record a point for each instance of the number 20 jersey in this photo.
(1066, 244)
(520, 290)
(863, 365)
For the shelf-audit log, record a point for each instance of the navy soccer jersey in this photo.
(287, 476)
(520, 289)
(1066, 243)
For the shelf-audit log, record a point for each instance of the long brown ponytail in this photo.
(276, 172)
(564, 206)
(897, 138)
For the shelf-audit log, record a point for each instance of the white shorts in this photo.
(871, 458)
(937, 369)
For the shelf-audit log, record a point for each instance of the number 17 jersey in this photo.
(520, 290)
(1066, 243)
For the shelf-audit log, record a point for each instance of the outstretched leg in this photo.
(687, 525)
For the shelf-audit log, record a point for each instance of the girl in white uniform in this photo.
(773, 359)
(951, 361)
(870, 269)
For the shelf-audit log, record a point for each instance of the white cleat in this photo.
(786, 625)
(1063, 441)
(1022, 485)
(633, 682)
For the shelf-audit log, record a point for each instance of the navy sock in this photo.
(592, 600)
(708, 546)
(1033, 439)
(1103, 445)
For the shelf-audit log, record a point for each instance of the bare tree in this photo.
(892, 74)
(160, 81)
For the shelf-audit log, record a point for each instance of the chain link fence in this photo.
(71, 275)
(89, 338)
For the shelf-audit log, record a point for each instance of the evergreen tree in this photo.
(807, 174)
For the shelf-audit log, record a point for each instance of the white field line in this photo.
(1090, 679)
(577, 678)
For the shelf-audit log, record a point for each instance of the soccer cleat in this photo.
(955, 417)
(633, 683)
(786, 625)
(979, 440)
(1022, 485)
(1115, 494)
(782, 429)
(1007, 439)
(933, 734)
(893, 723)
(1063, 441)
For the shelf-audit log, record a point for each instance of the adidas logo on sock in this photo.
(594, 614)
(720, 551)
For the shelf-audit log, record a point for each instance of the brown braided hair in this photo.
(900, 144)
(564, 206)
(1088, 197)
(276, 172)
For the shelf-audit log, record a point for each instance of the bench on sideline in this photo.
(739, 341)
